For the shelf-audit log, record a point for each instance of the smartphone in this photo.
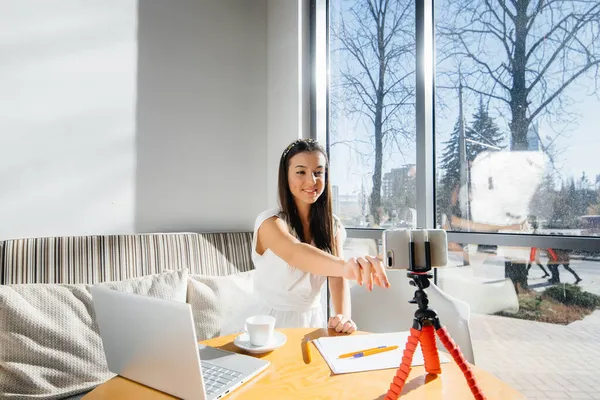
(396, 248)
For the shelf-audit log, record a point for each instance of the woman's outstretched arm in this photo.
(273, 234)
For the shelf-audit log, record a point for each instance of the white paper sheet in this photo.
(332, 346)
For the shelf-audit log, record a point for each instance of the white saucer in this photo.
(243, 342)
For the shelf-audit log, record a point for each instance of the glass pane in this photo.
(530, 324)
(372, 115)
(517, 99)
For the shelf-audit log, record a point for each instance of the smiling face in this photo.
(306, 176)
(305, 193)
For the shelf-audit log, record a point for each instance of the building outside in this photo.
(395, 182)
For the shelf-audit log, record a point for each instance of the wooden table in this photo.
(290, 376)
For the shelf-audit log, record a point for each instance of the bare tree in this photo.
(376, 40)
(523, 53)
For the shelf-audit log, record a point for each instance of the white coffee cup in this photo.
(260, 329)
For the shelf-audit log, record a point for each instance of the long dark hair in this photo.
(321, 214)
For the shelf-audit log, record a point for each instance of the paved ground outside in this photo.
(542, 361)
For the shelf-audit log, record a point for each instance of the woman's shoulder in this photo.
(266, 214)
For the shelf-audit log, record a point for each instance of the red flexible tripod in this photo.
(425, 324)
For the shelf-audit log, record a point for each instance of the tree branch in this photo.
(547, 35)
(486, 94)
(389, 89)
(559, 90)
(395, 107)
(354, 82)
(483, 64)
(357, 53)
(504, 8)
(560, 48)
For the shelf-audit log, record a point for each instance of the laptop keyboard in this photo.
(216, 377)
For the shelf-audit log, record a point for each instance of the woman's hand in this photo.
(341, 324)
(366, 271)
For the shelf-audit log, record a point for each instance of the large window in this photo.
(479, 117)
(372, 112)
(516, 116)
(516, 90)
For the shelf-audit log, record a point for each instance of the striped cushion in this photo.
(93, 259)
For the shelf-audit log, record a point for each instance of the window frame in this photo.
(425, 132)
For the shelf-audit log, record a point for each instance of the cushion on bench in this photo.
(51, 347)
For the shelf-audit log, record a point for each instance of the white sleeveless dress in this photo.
(289, 294)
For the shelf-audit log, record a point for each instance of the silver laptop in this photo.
(153, 342)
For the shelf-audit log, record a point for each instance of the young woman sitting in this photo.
(298, 245)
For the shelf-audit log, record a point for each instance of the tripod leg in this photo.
(430, 351)
(454, 350)
(404, 369)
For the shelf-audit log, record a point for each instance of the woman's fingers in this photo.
(341, 324)
(367, 272)
(377, 281)
(335, 321)
(349, 327)
(379, 271)
(358, 273)
(340, 327)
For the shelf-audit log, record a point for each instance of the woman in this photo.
(297, 246)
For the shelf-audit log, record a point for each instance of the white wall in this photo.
(201, 115)
(288, 82)
(95, 140)
(67, 117)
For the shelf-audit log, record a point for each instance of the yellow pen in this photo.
(307, 346)
(368, 352)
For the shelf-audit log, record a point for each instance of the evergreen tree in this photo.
(483, 130)
(572, 190)
(543, 201)
(574, 199)
(587, 196)
(584, 181)
(565, 204)
(450, 164)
